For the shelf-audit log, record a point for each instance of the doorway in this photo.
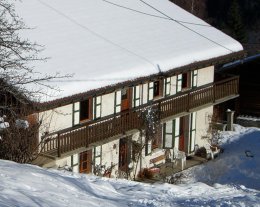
(124, 158)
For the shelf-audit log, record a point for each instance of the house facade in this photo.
(103, 129)
(142, 87)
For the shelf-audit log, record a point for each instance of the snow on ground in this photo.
(238, 165)
(236, 183)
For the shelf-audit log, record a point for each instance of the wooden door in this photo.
(182, 134)
(123, 155)
(125, 99)
(85, 162)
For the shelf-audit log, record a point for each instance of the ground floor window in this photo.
(171, 134)
(85, 164)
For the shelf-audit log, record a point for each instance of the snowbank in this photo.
(236, 171)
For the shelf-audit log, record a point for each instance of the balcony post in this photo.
(214, 93)
(58, 147)
(188, 102)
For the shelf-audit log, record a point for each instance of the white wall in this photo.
(202, 125)
(205, 75)
(108, 103)
(56, 119)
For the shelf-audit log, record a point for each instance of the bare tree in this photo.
(16, 57)
(149, 129)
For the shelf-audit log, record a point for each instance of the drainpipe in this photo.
(230, 120)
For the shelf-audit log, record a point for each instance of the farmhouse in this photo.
(142, 79)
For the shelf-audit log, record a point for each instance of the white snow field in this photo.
(233, 180)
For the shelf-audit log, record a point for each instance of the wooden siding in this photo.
(70, 139)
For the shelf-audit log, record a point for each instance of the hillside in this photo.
(236, 183)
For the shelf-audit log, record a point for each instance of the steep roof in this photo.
(105, 42)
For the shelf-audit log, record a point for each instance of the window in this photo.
(97, 107)
(184, 83)
(137, 99)
(74, 162)
(155, 142)
(167, 86)
(179, 83)
(97, 155)
(150, 91)
(192, 131)
(75, 118)
(124, 94)
(84, 110)
(156, 88)
(171, 134)
(194, 78)
(148, 147)
(117, 101)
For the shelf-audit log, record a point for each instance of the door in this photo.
(123, 155)
(184, 133)
(85, 162)
(125, 99)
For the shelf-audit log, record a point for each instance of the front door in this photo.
(123, 155)
(85, 162)
(184, 129)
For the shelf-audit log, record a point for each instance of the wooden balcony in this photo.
(66, 141)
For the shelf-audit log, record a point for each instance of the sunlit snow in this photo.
(235, 183)
(103, 44)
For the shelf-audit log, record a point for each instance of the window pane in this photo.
(98, 111)
(76, 118)
(177, 127)
(76, 106)
(98, 100)
(124, 94)
(179, 83)
(168, 128)
(118, 97)
(137, 92)
(168, 141)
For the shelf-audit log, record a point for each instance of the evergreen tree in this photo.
(235, 22)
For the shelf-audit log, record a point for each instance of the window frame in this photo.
(167, 85)
(96, 105)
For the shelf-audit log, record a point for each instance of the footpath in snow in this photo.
(231, 180)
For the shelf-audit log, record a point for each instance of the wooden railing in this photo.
(74, 138)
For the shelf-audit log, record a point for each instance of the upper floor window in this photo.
(84, 110)
(167, 87)
(97, 107)
(183, 81)
(194, 78)
(155, 89)
(136, 96)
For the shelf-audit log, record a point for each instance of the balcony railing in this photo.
(73, 138)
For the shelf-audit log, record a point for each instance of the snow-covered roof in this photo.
(105, 42)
